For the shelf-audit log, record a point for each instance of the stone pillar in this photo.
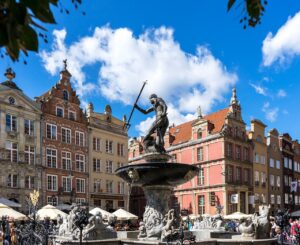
(157, 206)
(247, 201)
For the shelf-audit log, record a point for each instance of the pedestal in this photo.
(157, 206)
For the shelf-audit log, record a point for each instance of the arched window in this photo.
(65, 95)
(199, 133)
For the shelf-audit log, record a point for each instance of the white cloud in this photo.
(284, 45)
(271, 114)
(259, 89)
(183, 79)
(281, 93)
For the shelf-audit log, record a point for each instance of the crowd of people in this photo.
(8, 234)
(287, 234)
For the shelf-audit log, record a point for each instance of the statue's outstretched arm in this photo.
(144, 111)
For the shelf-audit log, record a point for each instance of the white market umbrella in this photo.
(237, 216)
(105, 214)
(122, 214)
(191, 217)
(295, 213)
(63, 206)
(49, 211)
(7, 211)
(9, 203)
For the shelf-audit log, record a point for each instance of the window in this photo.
(66, 135)
(11, 100)
(96, 144)
(271, 163)
(263, 178)
(66, 160)
(277, 164)
(229, 173)
(97, 185)
(29, 154)
(286, 180)
(286, 198)
(199, 134)
(272, 199)
(51, 157)
(67, 184)
(28, 127)
(13, 180)
(238, 175)
(295, 166)
(80, 201)
(121, 187)
(120, 164)
(229, 150)
(200, 154)
(272, 180)
(109, 186)
(120, 150)
(12, 151)
(278, 180)
(80, 164)
(11, 123)
(201, 204)
(238, 152)
(256, 177)
(65, 95)
(59, 112)
(109, 146)
(246, 154)
(51, 131)
(278, 199)
(121, 204)
(262, 159)
(80, 185)
(256, 158)
(201, 177)
(52, 200)
(72, 115)
(79, 138)
(109, 166)
(96, 165)
(290, 164)
(29, 182)
(52, 182)
(286, 162)
(246, 176)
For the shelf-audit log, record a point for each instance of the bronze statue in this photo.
(159, 126)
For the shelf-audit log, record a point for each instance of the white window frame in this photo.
(67, 136)
(30, 127)
(63, 111)
(271, 163)
(80, 200)
(80, 162)
(74, 113)
(109, 146)
(96, 144)
(96, 165)
(13, 127)
(30, 151)
(51, 201)
(79, 138)
(12, 151)
(80, 185)
(52, 182)
(11, 181)
(200, 154)
(290, 163)
(109, 186)
(121, 188)
(286, 162)
(109, 166)
(66, 159)
(272, 180)
(278, 181)
(97, 185)
(52, 156)
(66, 183)
(52, 126)
(31, 182)
(278, 164)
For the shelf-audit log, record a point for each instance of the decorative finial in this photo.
(65, 64)
(199, 112)
(233, 99)
(10, 74)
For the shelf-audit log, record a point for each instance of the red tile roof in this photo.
(183, 132)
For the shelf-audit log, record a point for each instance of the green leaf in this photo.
(40, 9)
(230, 4)
(29, 38)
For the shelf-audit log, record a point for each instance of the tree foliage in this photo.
(252, 11)
(22, 23)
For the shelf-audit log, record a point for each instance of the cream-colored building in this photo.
(260, 163)
(108, 151)
(20, 143)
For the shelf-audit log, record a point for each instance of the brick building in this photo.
(65, 144)
(219, 146)
(20, 143)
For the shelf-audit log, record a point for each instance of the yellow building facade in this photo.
(260, 164)
(108, 150)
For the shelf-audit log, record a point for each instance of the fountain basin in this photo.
(157, 173)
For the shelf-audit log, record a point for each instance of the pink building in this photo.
(219, 146)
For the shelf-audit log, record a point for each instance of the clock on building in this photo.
(11, 100)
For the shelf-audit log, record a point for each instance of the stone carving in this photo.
(168, 228)
(210, 222)
(258, 226)
(159, 126)
(153, 222)
(142, 230)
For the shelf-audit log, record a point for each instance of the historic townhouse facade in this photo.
(260, 164)
(296, 179)
(275, 170)
(108, 150)
(219, 146)
(65, 144)
(20, 143)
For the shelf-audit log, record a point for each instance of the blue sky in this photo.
(191, 52)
